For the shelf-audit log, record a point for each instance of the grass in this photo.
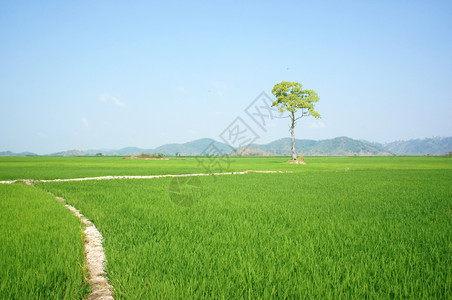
(41, 248)
(70, 167)
(337, 228)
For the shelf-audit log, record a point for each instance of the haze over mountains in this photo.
(340, 146)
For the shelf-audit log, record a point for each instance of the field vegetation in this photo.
(41, 247)
(72, 167)
(337, 227)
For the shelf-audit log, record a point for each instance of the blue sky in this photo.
(111, 74)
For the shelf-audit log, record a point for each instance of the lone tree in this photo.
(291, 97)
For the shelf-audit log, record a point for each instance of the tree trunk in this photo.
(292, 132)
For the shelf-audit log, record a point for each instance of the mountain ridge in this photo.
(339, 146)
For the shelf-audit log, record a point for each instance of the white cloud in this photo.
(41, 135)
(105, 98)
(85, 122)
(317, 125)
(117, 102)
(218, 87)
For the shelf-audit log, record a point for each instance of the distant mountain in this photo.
(69, 153)
(340, 146)
(198, 147)
(125, 151)
(429, 146)
(9, 153)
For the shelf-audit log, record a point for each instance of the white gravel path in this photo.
(95, 258)
(137, 177)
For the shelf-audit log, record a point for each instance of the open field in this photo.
(338, 227)
(72, 167)
(41, 247)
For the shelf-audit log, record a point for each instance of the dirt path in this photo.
(137, 177)
(95, 258)
(94, 252)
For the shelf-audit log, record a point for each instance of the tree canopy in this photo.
(291, 97)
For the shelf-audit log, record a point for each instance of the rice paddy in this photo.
(41, 247)
(374, 227)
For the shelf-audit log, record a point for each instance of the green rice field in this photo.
(73, 167)
(338, 227)
(41, 247)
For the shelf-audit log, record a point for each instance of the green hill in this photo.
(340, 146)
